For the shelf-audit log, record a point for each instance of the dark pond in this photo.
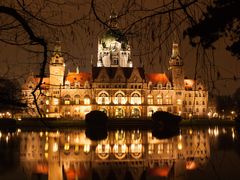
(208, 153)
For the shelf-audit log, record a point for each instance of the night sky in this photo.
(16, 62)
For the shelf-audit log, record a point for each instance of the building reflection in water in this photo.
(135, 153)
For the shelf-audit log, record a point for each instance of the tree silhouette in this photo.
(9, 96)
(222, 19)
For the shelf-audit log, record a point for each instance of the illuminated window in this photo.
(150, 148)
(150, 112)
(119, 99)
(150, 99)
(159, 99)
(135, 99)
(119, 113)
(160, 149)
(55, 101)
(135, 112)
(77, 99)
(168, 99)
(67, 99)
(179, 102)
(103, 98)
(86, 100)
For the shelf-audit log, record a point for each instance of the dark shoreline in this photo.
(129, 123)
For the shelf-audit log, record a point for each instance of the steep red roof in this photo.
(81, 77)
(157, 78)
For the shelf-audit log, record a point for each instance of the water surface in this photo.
(207, 153)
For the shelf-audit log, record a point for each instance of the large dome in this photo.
(113, 35)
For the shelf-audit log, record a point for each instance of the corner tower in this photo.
(56, 79)
(176, 66)
(56, 67)
(113, 47)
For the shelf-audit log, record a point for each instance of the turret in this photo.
(176, 66)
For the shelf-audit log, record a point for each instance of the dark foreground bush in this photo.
(96, 125)
(96, 118)
(166, 117)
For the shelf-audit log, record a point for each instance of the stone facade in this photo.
(116, 86)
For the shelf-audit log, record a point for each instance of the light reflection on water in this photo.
(124, 154)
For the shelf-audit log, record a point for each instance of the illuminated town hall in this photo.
(116, 86)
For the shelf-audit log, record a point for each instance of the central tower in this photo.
(113, 47)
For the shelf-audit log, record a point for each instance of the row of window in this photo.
(196, 95)
(196, 103)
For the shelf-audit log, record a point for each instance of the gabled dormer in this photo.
(119, 75)
(102, 76)
(135, 76)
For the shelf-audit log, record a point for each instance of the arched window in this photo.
(136, 98)
(67, 99)
(150, 99)
(119, 113)
(103, 98)
(136, 112)
(168, 86)
(86, 99)
(77, 99)
(159, 86)
(119, 98)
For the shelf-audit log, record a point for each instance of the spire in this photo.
(57, 48)
(113, 20)
(77, 70)
(175, 51)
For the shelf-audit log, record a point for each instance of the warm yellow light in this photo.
(7, 139)
(86, 148)
(47, 102)
(46, 155)
(179, 102)
(66, 146)
(46, 147)
(55, 101)
(55, 147)
(180, 146)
